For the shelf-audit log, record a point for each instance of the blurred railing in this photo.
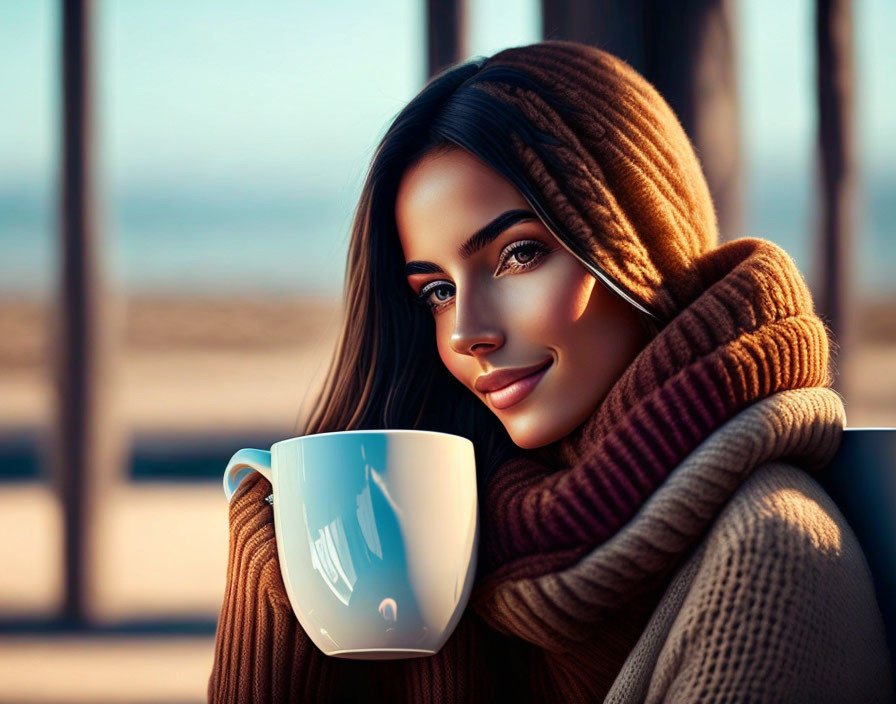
(86, 450)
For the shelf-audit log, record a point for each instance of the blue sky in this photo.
(289, 99)
(251, 91)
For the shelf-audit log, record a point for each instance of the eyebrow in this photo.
(477, 241)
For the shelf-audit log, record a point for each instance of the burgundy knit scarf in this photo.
(751, 333)
(554, 613)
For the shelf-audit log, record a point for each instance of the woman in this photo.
(650, 527)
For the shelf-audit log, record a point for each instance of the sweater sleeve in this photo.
(782, 608)
(262, 652)
(464, 669)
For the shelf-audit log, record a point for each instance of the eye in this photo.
(527, 254)
(523, 255)
(425, 296)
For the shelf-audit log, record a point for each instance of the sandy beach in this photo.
(181, 366)
(185, 367)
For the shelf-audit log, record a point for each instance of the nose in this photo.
(476, 331)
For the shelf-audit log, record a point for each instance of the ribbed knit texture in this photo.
(570, 615)
(257, 630)
(619, 174)
(752, 333)
(637, 555)
(778, 605)
(262, 654)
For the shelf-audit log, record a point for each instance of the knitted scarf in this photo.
(544, 587)
(563, 587)
(752, 333)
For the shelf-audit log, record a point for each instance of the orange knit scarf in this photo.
(750, 332)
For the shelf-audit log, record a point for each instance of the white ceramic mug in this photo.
(377, 534)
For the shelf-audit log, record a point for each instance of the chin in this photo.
(530, 440)
(527, 444)
(533, 430)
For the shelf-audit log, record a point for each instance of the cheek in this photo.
(605, 331)
(547, 309)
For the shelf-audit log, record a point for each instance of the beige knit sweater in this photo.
(774, 604)
(777, 605)
(777, 602)
(680, 551)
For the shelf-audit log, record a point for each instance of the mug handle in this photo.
(242, 464)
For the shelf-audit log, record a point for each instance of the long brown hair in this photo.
(386, 371)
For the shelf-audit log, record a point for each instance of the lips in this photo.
(515, 391)
(504, 377)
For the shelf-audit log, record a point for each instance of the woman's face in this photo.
(507, 296)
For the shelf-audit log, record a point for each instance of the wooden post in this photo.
(687, 50)
(837, 175)
(87, 450)
(445, 29)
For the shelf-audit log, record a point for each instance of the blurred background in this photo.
(177, 183)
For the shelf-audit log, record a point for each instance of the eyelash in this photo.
(538, 250)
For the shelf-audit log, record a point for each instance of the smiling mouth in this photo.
(513, 393)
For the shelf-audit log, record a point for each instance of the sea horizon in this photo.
(196, 240)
